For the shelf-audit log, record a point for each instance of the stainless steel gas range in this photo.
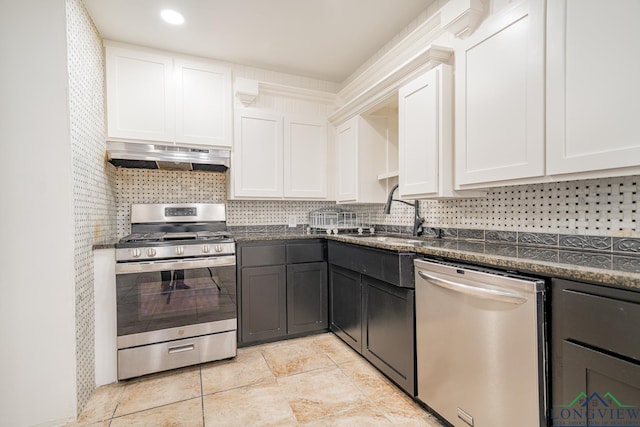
(175, 288)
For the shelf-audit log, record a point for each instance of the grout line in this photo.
(153, 408)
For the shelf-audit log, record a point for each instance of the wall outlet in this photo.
(292, 221)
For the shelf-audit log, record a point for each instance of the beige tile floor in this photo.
(311, 381)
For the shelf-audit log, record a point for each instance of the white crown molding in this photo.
(414, 42)
(461, 17)
(247, 90)
(387, 85)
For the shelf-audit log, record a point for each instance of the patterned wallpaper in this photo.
(93, 184)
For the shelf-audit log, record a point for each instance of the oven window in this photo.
(167, 299)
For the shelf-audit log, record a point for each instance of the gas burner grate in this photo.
(142, 237)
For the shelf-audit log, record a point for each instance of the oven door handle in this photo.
(182, 264)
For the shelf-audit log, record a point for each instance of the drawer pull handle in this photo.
(182, 348)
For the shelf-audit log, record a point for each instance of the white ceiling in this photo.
(325, 39)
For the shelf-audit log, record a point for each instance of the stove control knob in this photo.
(218, 248)
(206, 249)
(135, 253)
(179, 250)
(151, 252)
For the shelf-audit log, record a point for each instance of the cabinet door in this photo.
(203, 103)
(591, 124)
(605, 387)
(419, 135)
(389, 331)
(345, 315)
(307, 297)
(305, 157)
(347, 152)
(499, 88)
(263, 306)
(140, 95)
(257, 154)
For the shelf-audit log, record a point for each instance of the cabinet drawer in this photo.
(306, 252)
(601, 321)
(255, 256)
(136, 361)
(389, 266)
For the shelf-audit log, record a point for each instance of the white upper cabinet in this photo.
(361, 150)
(154, 96)
(420, 132)
(305, 157)
(257, 154)
(140, 95)
(592, 124)
(279, 156)
(347, 160)
(425, 111)
(203, 103)
(499, 87)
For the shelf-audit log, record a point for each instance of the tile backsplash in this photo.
(93, 185)
(601, 207)
(163, 186)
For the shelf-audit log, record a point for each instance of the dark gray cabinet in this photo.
(307, 299)
(372, 307)
(595, 354)
(283, 289)
(388, 330)
(264, 301)
(346, 306)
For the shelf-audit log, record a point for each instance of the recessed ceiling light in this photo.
(172, 17)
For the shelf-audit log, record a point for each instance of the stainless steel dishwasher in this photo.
(481, 358)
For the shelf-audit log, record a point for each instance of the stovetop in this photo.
(176, 238)
(175, 231)
(150, 246)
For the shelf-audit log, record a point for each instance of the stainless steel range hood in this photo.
(166, 156)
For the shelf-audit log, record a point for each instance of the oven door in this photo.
(159, 301)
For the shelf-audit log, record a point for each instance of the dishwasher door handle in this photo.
(476, 291)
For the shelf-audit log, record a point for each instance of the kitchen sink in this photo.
(389, 240)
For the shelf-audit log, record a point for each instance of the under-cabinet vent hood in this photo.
(168, 157)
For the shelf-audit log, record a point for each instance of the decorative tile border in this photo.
(544, 239)
(501, 236)
(626, 245)
(625, 263)
(594, 260)
(524, 240)
(598, 243)
(469, 233)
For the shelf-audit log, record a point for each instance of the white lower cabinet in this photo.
(361, 155)
(499, 88)
(279, 156)
(592, 124)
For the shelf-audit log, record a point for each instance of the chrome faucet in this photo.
(418, 220)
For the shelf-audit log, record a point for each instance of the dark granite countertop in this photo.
(276, 235)
(622, 271)
(607, 268)
(98, 246)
